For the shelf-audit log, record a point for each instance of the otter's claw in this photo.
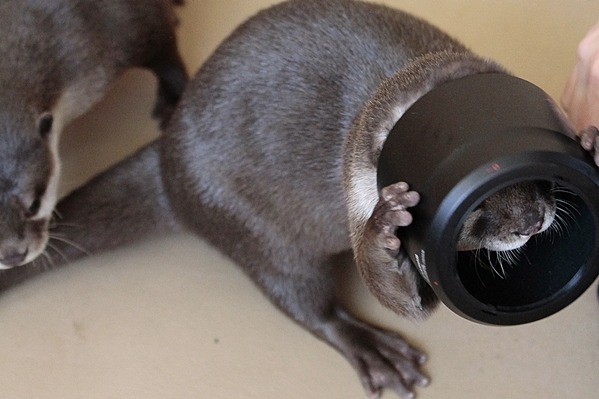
(391, 212)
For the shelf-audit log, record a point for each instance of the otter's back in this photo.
(265, 118)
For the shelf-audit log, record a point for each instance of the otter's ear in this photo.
(44, 124)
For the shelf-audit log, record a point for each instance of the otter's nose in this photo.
(13, 257)
(529, 230)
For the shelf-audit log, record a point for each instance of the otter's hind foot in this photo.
(383, 359)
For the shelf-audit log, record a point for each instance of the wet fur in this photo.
(271, 156)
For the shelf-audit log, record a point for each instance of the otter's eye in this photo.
(45, 124)
(36, 204)
(34, 207)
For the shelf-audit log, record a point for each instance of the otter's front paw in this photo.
(589, 140)
(391, 212)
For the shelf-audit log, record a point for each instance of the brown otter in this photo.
(58, 58)
(279, 126)
(507, 219)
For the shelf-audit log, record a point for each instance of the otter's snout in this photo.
(13, 256)
(531, 225)
(507, 219)
(21, 239)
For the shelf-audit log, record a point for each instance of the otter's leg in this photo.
(383, 264)
(120, 206)
(382, 359)
(302, 284)
(172, 79)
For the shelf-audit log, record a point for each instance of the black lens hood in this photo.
(465, 140)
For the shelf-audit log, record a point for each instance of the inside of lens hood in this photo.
(545, 266)
(545, 275)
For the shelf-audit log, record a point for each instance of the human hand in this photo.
(580, 98)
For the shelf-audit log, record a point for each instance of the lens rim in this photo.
(442, 233)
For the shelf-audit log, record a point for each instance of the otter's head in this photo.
(29, 170)
(508, 218)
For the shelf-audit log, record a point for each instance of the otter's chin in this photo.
(506, 246)
(463, 246)
(493, 244)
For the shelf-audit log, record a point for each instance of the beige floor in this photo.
(172, 318)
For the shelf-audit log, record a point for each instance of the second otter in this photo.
(58, 59)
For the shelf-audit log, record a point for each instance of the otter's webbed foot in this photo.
(382, 359)
(589, 140)
(390, 213)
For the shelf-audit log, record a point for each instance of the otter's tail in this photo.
(121, 205)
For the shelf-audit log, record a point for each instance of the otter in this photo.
(58, 59)
(271, 156)
(506, 220)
